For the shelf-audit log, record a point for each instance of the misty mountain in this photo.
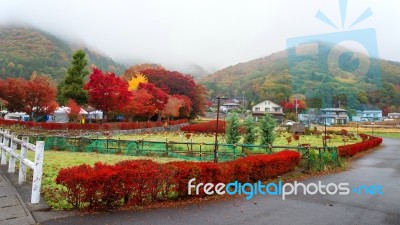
(272, 78)
(24, 50)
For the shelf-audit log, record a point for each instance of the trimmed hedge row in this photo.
(352, 149)
(89, 126)
(137, 182)
(206, 127)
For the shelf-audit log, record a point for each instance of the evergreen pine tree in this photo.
(267, 126)
(250, 135)
(232, 129)
(72, 86)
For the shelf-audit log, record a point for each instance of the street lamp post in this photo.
(216, 130)
(325, 144)
(373, 125)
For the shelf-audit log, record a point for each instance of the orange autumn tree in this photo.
(74, 110)
(36, 96)
(139, 106)
(177, 106)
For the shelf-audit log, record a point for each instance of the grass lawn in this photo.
(209, 138)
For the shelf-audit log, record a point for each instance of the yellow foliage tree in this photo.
(136, 80)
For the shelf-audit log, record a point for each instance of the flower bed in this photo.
(352, 149)
(89, 126)
(207, 127)
(137, 182)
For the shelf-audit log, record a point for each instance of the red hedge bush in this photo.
(89, 126)
(136, 182)
(352, 149)
(207, 127)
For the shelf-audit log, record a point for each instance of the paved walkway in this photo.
(12, 209)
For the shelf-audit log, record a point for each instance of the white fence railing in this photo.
(8, 144)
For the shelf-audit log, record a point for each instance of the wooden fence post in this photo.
(3, 152)
(37, 172)
(13, 146)
(22, 166)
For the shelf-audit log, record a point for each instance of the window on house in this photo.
(266, 109)
(257, 109)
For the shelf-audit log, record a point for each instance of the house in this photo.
(230, 106)
(311, 116)
(368, 115)
(268, 107)
(333, 116)
(394, 115)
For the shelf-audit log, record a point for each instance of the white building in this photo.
(368, 116)
(269, 107)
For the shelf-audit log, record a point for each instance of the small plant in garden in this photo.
(232, 129)
(317, 133)
(267, 126)
(249, 130)
(289, 139)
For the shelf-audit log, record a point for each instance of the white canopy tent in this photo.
(60, 115)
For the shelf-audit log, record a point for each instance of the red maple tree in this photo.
(140, 105)
(36, 96)
(175, 83)
(159, 98)
(291, 106)
(107, 92)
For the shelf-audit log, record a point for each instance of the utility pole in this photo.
(216, 130)
(295, 102)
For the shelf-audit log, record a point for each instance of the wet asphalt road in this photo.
(381, 167)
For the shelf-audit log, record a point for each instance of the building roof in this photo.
(267, 101)
(272, 113)
(231, 104)
(334, 109)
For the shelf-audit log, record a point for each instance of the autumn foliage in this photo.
(107, 92)
(175, 83)
(89, 126)
(291, 106)
(35, 96)
(138, 182)
(207, 127)
(74, 110)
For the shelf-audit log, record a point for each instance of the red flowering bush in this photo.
(352, 149)
(136, 182)
(88, 126)
(207, 127)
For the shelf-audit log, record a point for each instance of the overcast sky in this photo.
(211, 33)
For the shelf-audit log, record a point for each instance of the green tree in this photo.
(250, 135)
(267, 126)
(72, 86)
(232, 129)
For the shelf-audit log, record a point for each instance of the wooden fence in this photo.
(9, 144)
